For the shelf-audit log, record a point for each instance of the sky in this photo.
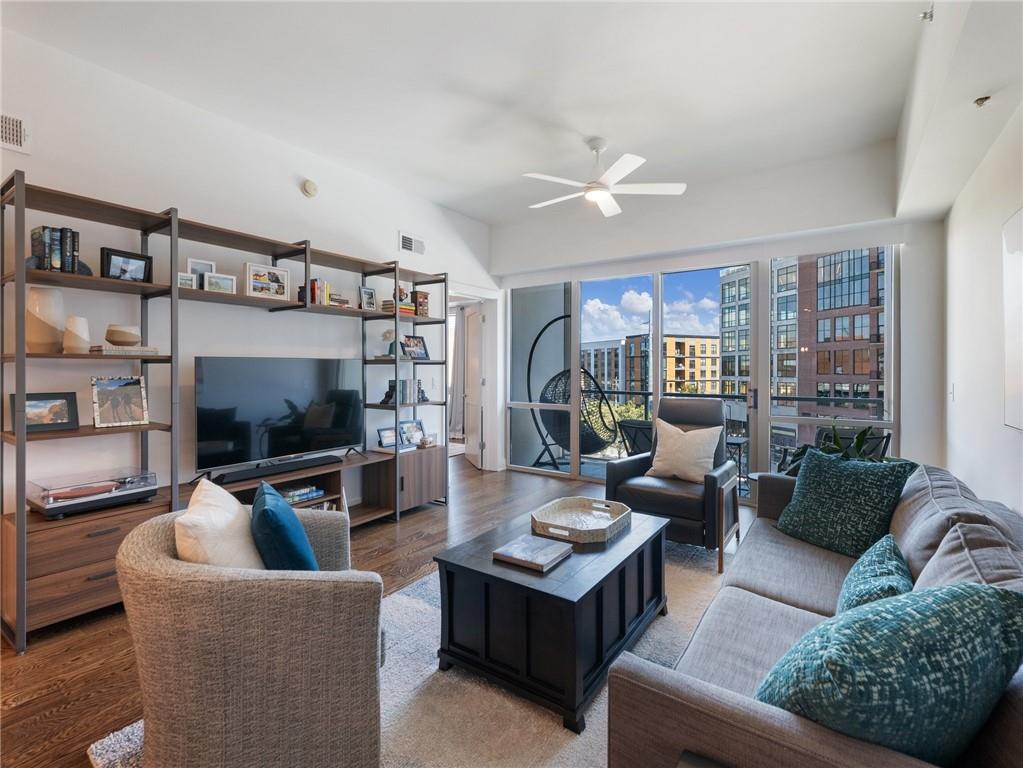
(616, 308)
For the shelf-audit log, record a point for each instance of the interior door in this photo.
(473, 410)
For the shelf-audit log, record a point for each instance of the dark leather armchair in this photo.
(704, 513)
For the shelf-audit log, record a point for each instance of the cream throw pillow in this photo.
(685, 455)
(216, 530)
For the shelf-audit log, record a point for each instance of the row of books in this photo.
(55, 249)
(321, 292)
(406, 391)
(301, 493)
(387, 305)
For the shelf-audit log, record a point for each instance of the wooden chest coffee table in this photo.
(550, 638)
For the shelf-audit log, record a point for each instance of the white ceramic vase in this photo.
(76, 336)
(44, 327)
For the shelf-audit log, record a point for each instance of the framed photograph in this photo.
(414, 347)
(412, 431)
(123, 265)
(200, 268)
(119, 401)
(368, 298)
(217, 283)
(50, 411)
(267, 282)
(386, 437)
(186, 281)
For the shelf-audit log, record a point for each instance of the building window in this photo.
(728, 341)
(861, 362)
(823, 330)
(744, 289)
(843, 279)
(728, 293)
(842, 362)
(880, 327)
(787, 308)
(786, 390)
(880, 288)
(787, 365)
(692, 363)
(743, 340)
(703, 348)
(841, 392)
(744, 365)
(728, 387)
(861, 390)
(880, 364)
(786, 336)
(823, 389)
(880, 257)
(744, 314)
(841, 329)
(786, 280)
(743, 387)
(728, 366)
(823, 362)
(728, 317)
(861, 327)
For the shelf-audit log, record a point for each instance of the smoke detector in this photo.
(309, 188)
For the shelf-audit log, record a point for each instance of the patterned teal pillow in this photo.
(918, 673)
(879, 573)
(842, 504)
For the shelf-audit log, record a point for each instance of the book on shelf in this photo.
(110, 349)
(55, 249)
(533, 552)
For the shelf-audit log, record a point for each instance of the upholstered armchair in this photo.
(246, 668)
(699, 513)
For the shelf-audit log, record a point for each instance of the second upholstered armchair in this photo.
(243, 668)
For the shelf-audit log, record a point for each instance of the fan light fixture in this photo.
(597, 194)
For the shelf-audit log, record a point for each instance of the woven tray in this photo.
(581, 520)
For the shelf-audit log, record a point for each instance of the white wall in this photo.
(101, 135)
(984, 452)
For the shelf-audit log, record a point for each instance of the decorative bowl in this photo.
(581, 520)
(124, 335)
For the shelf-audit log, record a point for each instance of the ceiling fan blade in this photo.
(608, 206)
(557, 200)
(622, 167)
(555, 179)
(649, 189)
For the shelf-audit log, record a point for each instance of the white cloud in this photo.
(606, 321)
(707, 304)
(684, 317)
(636, 303)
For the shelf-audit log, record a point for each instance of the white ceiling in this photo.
(456, 101)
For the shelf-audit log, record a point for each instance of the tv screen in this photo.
(249, 409)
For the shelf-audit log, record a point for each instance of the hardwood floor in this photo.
(77, 682)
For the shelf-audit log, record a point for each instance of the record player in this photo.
(56, 497)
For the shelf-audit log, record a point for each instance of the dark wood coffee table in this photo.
(550, 638)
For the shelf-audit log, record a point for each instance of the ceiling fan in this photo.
(602, 190)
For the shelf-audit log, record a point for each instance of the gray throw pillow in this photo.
(977, 553)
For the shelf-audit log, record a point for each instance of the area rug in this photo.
(455, 719)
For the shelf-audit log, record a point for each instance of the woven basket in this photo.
(581, 520)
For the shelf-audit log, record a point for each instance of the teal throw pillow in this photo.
(879, 573)
(279, 535)
(919, 673)
(844, 505)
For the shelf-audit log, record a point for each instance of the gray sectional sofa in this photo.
(775, 590)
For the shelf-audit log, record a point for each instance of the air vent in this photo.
(14, 134)
(411, 244)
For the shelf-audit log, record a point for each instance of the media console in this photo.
(269, 470)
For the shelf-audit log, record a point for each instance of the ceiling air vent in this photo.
(411, 244)
(14, 134)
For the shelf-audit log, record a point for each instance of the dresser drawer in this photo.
(72, 543)
(60, 596)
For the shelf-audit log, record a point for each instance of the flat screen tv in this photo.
(252, 409)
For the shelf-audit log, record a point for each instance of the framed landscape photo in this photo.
(267, 282)
(50, 411)
(414, 347)
(186, 281)
(387, 437)
(367, 298)
(119, 401)
(124, 265)
(217, 283)
(200, 268)
(412, 431)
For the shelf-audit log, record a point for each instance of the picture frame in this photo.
(387, 437)
(119, 401)
(200, 268)
(368, 298)
(266, 282)
(218, 283)
(186, 280)
(49, 411)
(124, 265)
(411, 431)
(414, 348)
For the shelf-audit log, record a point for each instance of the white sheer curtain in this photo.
(456, 375)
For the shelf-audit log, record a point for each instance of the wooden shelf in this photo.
(86, 208)
(361, 514)
(429, 362)
(39, 522)
(318, 500)
(235, 299)
(391, 406)
(368, 314)
(197, 232)
(90, 283)
(390, 361)
(89, 431)
(9, 358)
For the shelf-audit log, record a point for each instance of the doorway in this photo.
(466, 379)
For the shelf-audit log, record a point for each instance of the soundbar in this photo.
(266, 470)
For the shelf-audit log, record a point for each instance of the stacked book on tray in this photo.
(55, 249)
(110, 349)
